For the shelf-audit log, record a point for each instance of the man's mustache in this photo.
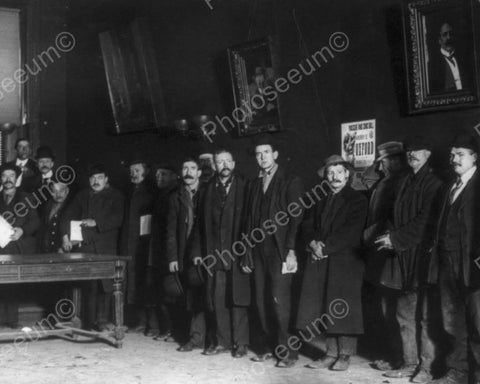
(456, 164)
(187, 177)
(412, 158)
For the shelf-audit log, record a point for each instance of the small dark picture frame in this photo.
(441, 55)
(253, 68)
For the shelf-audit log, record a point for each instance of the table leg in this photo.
(77, 302)
(118, 300)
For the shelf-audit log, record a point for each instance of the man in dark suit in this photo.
(100, 210)
(135, 242)
(182, 213)
(393, 165)
(29, 179)
(49, 237)
(45, 162)
(270, 196)
(333, 277)
(17, 210)
(455, 263)
(410, 236)
(220, 224)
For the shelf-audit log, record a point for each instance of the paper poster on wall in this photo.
(358, 148)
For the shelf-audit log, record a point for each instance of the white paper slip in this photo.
(145, 225)
(6, 231)
(285, 270)
(76, 230)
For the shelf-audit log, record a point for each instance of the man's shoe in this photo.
(401, 373)
(240, 351)
(150, 332)
(383, 365)
(342, 363)
(422, 377)
(286, 363)
(187, 347)
(323, 363)
(262, 357)
(217, 350)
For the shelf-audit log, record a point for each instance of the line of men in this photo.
(214, 246)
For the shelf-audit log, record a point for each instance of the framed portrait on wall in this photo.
(441, 55)
(253, 70)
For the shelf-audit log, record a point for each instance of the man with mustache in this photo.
(220, 224)
(455, 263)
(182, 213)
(272, 258)
(29, 176)
(410, 236)
(19, 213)
(100, 208)
(333, 275)
(45, 162)
(134, 243)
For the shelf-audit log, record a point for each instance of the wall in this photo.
(366, 81)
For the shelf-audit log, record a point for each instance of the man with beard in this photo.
(18, 212)
(182, 212)
(273, 259)
(333, 277)
(158, 300)
(100, 209)
(135, 242)
(220, 224)
(455, 264)
(410, 237)
(28, 181)
(49, 235)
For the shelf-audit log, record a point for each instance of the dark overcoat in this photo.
(19, 213)
(411, 233)
(31, 176)
(331, 288)
(468, 216)
(138, 203)
(204, 244)
(286, 189)
(106, 208)
(49, 235)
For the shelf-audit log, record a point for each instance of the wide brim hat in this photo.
(389, 148)
(194, 276)
(10, 167)
(333, 160)
(172, 286)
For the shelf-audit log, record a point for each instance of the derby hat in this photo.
(465, 140)
(389, 148)
(416, 143)
(44, 152)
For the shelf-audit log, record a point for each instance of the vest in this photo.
(450, 229)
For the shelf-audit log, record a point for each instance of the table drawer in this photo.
(81, 271)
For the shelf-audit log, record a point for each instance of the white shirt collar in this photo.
(21, 163)
(48, 175)
(446, 53)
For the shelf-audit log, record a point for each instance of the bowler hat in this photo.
(10, 167)
(416, 143)
(194, 276)
(172, 285)
(465, 140)
(96, 168)
(389, 148)
(333, 160)
(44, 152)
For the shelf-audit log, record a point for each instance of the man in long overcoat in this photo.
(332, 282)
(410, 236)
(220, 225)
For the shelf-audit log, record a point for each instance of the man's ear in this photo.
(275, 155)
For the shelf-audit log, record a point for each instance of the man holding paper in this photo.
(331, 289)
(97, 213)
(135, 242)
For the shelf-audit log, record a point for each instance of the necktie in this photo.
(454, 191)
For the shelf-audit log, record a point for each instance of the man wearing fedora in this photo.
(182, 214)
(135, 242)
(220, 224)
(410, 237)
(391, 162)
(455, 263)
(273, 260)
(29, 174)
(100, 209)
(17, 210)
(332, 281)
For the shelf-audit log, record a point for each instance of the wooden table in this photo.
(51, 267)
